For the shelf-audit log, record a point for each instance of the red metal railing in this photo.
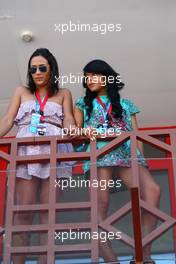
(136, 203)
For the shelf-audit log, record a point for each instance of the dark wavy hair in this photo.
(53, 86)
(101, 67)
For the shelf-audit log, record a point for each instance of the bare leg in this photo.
(44, 198)
(104, 174)
(25, 194)
(44, 195)
(150, 192)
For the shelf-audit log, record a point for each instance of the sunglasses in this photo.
(41, 68)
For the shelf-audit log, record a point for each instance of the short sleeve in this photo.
(130, 106)
(80, 103)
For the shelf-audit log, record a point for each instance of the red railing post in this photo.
(3, 180)
(136, 216)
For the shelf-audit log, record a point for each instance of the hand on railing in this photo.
(74, 132)
(90, 132)
(2, 230)
(102, 132)
(71, 132)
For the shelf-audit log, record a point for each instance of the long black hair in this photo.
(101, 67)
(53, 86)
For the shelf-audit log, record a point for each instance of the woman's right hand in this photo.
(90, 132)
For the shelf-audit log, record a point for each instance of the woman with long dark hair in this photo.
(102, 108)
(40, 108)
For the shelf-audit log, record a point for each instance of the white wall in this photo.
(143, 52)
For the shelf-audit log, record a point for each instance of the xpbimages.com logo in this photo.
(86, 235)
(101, 28)
(82, 183)
(103, 132)
(79, 79)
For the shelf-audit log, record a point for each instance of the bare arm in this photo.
(135, 127)
(69, 120)
(6, 123)
(79, 117)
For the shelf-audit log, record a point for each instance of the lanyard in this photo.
(109, 111)
(41, 103)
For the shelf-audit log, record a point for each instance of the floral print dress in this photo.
(120, 156)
